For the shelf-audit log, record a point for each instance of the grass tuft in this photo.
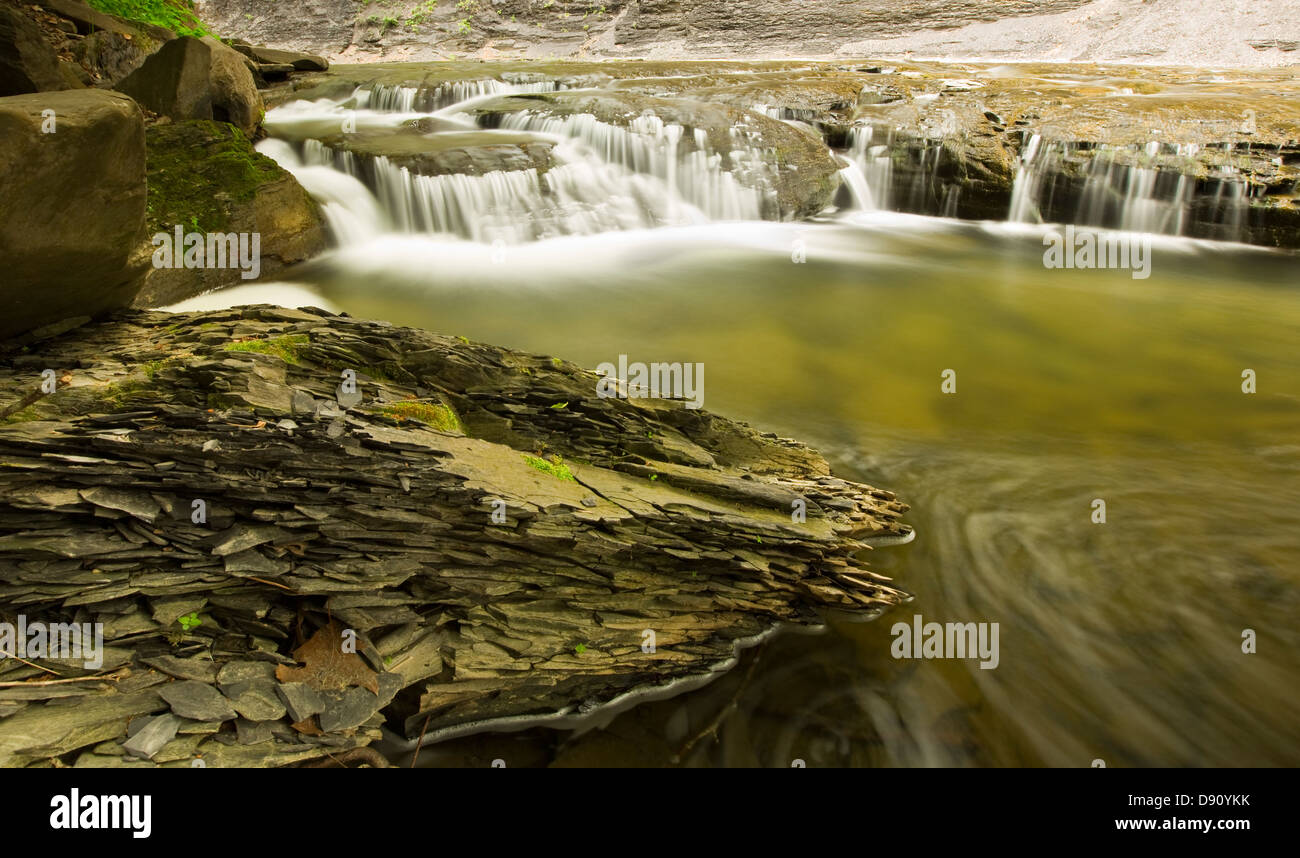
(556, 469)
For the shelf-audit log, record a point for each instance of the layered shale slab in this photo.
(295, 528)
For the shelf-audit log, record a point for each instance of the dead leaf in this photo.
(307, 726)
(327, 667)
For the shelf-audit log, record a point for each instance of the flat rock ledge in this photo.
(495, 541)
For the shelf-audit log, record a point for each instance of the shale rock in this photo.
(491, 555)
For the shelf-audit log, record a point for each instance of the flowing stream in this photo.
(1119, 641)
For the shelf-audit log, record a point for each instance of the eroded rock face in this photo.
(75, 248)
(205, 176)
(496, 555)
(411, 29)
(319, 26)
(197, 79)
(1171, 32)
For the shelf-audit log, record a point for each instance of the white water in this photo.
(605, 177)
(651, 173)
(1157, 194)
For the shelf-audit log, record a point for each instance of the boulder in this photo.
(27, 62)
(81, 192)
(205, 176)
(197, 79)
(274, 56)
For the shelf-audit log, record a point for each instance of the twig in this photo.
(112, 677)
(31, 398)
(270, 583)
(364, 755)
(29, 663)
(420, 743)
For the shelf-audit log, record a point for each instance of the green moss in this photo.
(291, 348)
(436, 414)
(176, 15)
(26, 415)
(121, 393)
(153, 367)
(556, 469)
(217, 402)
(198, 171)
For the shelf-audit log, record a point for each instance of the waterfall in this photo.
(913, 185)
(430, 99)
(580, 195)
(874, 166)
(859, 190)
(350, 211)
(649, 146)
(1028, 182)
(1151, 188)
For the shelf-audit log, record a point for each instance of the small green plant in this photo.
(463, 26)
(556, 469)
(190, 621)
(654, 477)
(560, 406)
(579, 649)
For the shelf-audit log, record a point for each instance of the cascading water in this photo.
(651, 147)
(874, 165)
(350, 211)
(1139, 189)
(914, 184)
(411, 99)
(601, 177)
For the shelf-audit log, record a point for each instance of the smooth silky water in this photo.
(1119, 641)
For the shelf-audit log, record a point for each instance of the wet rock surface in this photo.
(318, 576)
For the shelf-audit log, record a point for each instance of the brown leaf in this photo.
(327, 667)
(307, 726)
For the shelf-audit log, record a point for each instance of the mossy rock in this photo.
(199, 171)
(205, 176)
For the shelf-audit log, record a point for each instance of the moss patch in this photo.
(198, 171)
(121, 393)
(556, 469)
(435, 414)
(291, 348)
(25, 415)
